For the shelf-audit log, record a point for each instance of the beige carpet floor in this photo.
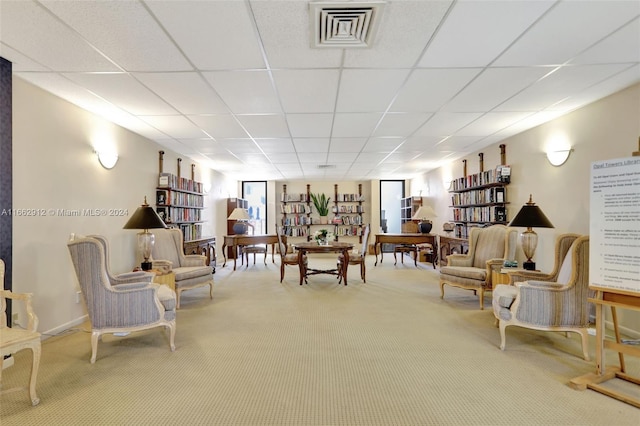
(388, 352)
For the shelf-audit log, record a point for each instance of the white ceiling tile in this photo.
(428, 89)
(347, 144)
(219, 126)
(315, 145)
(245, 92)
(20, 62)
(368, 90)
(400, 124)
(146, 45)
(491, 123)
(253, 159)
(354, 125)
(124, 91)
(265, 126)
(282, 157)
(341, 157)
(384, 145)
(457, 143)
(204, 146)
(188, 92)
(476, 32)
(312, 157)
(371, 157)
(215, 35)
(560, 35)
(494, 86)
(310, 125)
(307, 90)
(621, 46)
(276, 145)
(446, 123)
(240, 146)
(175, 126)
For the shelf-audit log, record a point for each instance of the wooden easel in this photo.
(614, 298)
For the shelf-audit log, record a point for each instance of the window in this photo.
(255, 192)
(391, 191)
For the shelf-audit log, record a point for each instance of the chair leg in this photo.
(503, 338)
(584, 334)
(363, 271)
(172, 335)
(36, 350)
(415, 258)
(481, 298)
(95, 336)
(281, 270)
(395, 261)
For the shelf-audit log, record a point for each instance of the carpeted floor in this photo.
(388, 352)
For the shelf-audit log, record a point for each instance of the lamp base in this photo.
(146, 266)
(240, 228)
(529, 265)
(425, 227)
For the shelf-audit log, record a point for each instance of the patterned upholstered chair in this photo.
(358, 259)
(125, 278)
(191, 270)
(15, 339)
(549, 302)
(488, 249)
(123, 308)
(287, 258)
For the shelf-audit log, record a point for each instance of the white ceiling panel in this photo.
(307, 90)
(202, 28)
(245, 92)
(222, 79)
(368, 90)
(188, 92)
(476, 32)
(310, 125)
(124, 91)
(560, 35)
(428, 89)
(148, 46)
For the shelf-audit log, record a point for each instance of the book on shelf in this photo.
(162, 197)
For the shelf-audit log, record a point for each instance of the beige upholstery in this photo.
(191, 270)
(124, 278)
(122, 308)
(550, 302)
(15, 339)
(287, 258)
(488, 249)
(359, 258)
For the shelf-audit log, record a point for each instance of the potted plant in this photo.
(321, 203)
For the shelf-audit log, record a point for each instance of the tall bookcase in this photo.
(347, 213)
(180, 201)
(296, 213)
(408, 207)
(480, 199)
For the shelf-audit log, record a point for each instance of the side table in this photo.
(168, 279)
(502, 276)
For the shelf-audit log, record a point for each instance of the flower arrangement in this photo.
(323, 236)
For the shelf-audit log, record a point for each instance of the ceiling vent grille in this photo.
(344, 24)
(326, 166)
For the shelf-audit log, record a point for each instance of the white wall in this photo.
(54, 167)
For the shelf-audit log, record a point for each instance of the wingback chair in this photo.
(122, 308)
(124, 278)
(357, 259)
(549, 302)
(191, 270)
(15, 339)
(488, 248)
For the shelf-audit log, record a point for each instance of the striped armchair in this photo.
(549, 302)
(123, 308)
(488, 249)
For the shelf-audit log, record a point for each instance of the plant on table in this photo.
(323, 236)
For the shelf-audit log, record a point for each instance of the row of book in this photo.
(348, 209)
(169, 180)
(172, 198)
(191, 231)
(294, 198)
(480, 214)
(501, 174)
(295, 208)
(179, 214)
(297, 221)
(347, 220)
(353, 231)
(349, 198)
(294, 232)
(481, 196)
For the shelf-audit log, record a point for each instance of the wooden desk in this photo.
(415, 238)
(205, 247)
(451, 245)
(235, 242)
(332, 247)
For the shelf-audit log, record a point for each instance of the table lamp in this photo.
(530, 216)
(241, 216)
(145, 218)
(423, 214)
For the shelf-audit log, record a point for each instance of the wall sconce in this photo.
(558, 157)
(107, 159)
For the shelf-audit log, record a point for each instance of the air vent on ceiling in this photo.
(326, 166)
(344, 24)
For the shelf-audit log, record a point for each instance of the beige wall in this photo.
(603, 130)
(54, 167)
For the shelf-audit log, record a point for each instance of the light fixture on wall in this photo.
(108, 159)
(558, 157)
(424, 214)
(145, 218)
(241, 216)
(530, 216)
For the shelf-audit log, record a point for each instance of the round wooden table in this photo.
(332, 247)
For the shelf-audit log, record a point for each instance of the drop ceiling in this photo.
(237, 85)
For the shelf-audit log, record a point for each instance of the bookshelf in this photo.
(180, 201)
(480, 199)
(408, 207)
(296, 213)
(347, 213)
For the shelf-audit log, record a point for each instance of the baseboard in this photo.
(64, 327)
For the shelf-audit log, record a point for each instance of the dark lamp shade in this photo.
(530, 216)
(145, 217)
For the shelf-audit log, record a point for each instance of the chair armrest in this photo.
(458, 260)
(25, 298)
(162, 264)
(195, 260)
(132, 285)
(132, 277)
(519, 276)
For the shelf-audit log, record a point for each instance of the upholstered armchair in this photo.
(191, 270)
(15, 339)
(357, 259)
(488, 249)
(124, 278)
(123, 308)
(549, 302)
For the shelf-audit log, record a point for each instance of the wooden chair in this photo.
(14, 339)
(357, 259)
(405, 248)
(287, 258)
(247, 250)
